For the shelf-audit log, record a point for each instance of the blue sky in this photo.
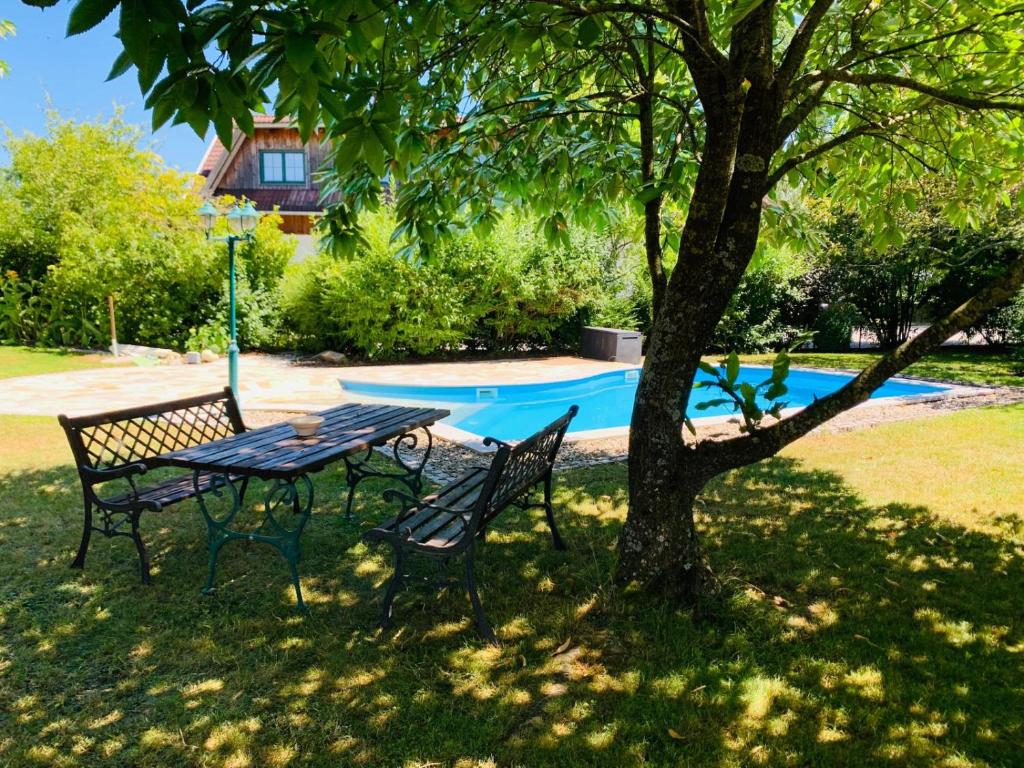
(72, 73)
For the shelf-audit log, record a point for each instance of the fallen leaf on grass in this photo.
(563, 647)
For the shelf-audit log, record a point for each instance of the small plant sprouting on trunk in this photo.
(744, 397)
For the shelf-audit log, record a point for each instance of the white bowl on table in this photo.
(306, 425)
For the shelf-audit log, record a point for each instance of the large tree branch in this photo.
(721, 456)
(695, 33)
(707, 64)
(966, 101)
(967, 29)
(872, 127)
(797, 160)
(796, 52)
(800, 112)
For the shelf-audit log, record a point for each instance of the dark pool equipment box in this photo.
(612, 344)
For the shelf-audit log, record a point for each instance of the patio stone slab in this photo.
(267, 382)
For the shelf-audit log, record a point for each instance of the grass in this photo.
(30, 361)
(959, 365)
(870, 616)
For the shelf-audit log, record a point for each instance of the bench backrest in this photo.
(135, 435)
(516, 469)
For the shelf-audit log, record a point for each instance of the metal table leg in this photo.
(358, 468)
(294, 494)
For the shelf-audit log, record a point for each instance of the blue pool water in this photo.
(516, 411)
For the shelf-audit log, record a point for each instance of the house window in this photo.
(282, 167)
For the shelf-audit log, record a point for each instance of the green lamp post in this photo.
(242, 220)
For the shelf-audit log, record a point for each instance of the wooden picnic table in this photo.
(284, 460)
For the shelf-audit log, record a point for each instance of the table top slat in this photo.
(276, 451)
(264, 437)
(384, 426)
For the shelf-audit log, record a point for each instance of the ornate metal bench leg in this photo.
(217, 529)
(481, 621)
(393, 586)
(83, 547)
(141, 547)
(550, 512)
(215, 543)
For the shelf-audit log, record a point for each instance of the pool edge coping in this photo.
(475, 442)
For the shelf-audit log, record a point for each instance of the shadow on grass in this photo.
(845, 635)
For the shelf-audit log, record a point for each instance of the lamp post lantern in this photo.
(242, 220)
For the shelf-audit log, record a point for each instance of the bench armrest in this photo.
(497, 442)
(405, 499)
(103, 475)
(127, 506)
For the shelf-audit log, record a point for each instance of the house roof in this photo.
(215, 152)
(288, 200)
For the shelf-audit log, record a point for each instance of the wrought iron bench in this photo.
(112, 449)
(447, 523)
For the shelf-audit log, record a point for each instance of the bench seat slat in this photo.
(171, 491)
(436, 527)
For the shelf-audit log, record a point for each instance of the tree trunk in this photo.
(663, 553)
(659, 548)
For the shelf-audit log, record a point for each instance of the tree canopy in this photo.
(707, 116)
(555, 103)
(6, 30)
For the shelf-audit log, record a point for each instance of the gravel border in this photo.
(450, 459)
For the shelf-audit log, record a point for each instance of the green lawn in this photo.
(874, 588)
(29, 361)
(969, 367)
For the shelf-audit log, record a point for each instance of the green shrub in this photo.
(1006, 326)
(504, 292)
(833, 327)
(85, 213)
(763, 313)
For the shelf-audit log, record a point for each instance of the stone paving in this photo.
(267, 382)
(273, 387)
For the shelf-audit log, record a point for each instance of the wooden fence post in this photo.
(113, 326)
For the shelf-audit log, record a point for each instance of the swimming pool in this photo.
(515, 411)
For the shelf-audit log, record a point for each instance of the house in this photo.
(272, 169)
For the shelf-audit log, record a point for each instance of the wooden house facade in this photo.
(273, 169)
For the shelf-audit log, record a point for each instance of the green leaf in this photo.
(150, 70)
(163, 110)
(225, 128)
(134, 30)
(588, 31)
(122, 64)
(741, 10)
(708, 368)
(300, 51)
(732, 367)
(386, 138)
(373, 153)
(649, 192)
(703, 406)
(87, 14)
(780, 367)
